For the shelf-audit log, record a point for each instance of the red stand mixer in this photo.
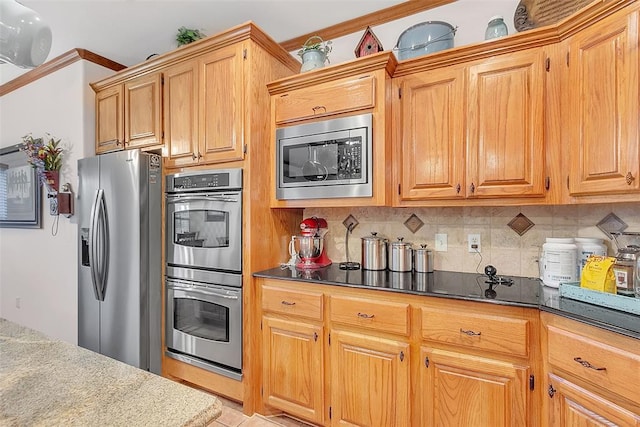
(311, 243)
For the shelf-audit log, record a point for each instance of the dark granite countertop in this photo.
(514, 291)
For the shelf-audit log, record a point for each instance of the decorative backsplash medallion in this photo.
(413, 223)
(350, 222)
(520, 224)
(611, 224)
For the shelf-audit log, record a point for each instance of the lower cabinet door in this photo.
(293, 370)
(369, 381)
(463, 390)
(574, 406)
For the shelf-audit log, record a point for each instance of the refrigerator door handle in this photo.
(103, 220)
(93, 255)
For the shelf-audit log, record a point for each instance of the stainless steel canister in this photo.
(423, 260)
(374, 252)
(400, 255)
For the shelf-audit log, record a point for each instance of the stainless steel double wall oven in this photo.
(204, 269)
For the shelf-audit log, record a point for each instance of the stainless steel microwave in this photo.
(326, 159)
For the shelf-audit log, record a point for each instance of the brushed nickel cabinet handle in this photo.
(470, 333)
(629, 178)
(587, 364)
(366, 316)
(287, 303)
(318, 108)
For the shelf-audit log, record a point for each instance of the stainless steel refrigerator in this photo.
(119, 249)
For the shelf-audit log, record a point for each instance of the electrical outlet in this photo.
(474, 243)
(441, 242)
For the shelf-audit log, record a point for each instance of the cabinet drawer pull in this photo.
(318, 108)
(587, 364)
(470, 333)
(366, 316)
(287, 303)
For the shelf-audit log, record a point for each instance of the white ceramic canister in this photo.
(558, 261)
(586, 247)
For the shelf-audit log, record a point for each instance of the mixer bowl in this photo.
(310, 248)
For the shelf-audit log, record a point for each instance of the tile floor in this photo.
(232, 416)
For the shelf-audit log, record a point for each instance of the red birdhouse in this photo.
(368, 44)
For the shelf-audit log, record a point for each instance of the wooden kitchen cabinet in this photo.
(467, 390)
(143, 112)
(204, 116)
(130, 115)
(478, 365)
(602, 104)
(593, 376)
(180, 96)
(293, 379)
(475, 130)
(347, 95)
(293, 347)
(369, 380)
(109, 119)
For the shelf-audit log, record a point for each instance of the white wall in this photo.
(35, 266)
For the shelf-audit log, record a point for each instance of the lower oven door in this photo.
(205, 321)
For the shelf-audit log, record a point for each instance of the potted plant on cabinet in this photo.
(187, 35)
(314, 53)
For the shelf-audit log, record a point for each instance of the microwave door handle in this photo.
(200, 291)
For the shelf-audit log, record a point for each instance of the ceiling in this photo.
(128, 31)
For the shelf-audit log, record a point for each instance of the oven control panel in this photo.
(226, 179)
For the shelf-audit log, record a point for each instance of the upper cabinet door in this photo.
(142, 107)
(222, 105)
(431, 158)
(506, 126)
(181, 114)
(109, 133)
(603, 107)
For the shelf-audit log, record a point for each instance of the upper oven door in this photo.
(204, 230)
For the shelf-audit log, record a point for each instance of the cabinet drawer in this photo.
(337, 97)
(365, 313)
(492, 333)
(287, 301)
(606, 366)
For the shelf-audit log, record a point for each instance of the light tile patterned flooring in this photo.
(232, 416)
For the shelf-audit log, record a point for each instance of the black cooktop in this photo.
(509, 290)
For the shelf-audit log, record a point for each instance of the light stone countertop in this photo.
(45, 382)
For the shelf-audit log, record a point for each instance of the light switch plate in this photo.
(441, 242)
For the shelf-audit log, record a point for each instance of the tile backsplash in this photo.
(501, 246)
